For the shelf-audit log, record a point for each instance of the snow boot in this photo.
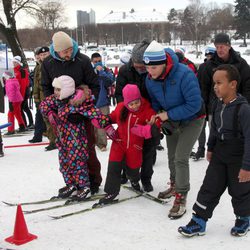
(81, 195)
(197, 226)
(168, 193)
(147, 186)
(199, 154)
(21, 129)
(136, 186)
(241, 227)
(66, 191)
(179, 207)
(107, 199)
(10, 133)
(50, 147)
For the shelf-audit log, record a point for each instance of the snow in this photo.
(30, 173)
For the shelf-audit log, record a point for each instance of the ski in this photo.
(94, 208)
(3, 248)
(52, 199)
(66, 204)
(146, 195)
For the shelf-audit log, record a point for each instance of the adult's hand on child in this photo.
(209, 155)
(163, 116)
(244, 175)
(152, 120)
(52, 116)
(79, 98)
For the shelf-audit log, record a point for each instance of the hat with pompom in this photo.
(154, 54)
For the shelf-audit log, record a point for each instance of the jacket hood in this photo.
(55, 55)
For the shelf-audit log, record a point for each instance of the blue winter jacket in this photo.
(106, 79)
(178, 94)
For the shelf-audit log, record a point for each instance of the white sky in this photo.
(102, 8)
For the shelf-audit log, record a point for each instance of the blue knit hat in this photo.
(210, 51)
(154, 54)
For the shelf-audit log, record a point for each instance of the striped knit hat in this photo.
(154, 54)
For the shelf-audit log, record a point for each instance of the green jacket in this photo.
(37, 90)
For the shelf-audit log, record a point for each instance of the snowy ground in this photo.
(30, 173)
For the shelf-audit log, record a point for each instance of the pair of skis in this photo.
(92, 198)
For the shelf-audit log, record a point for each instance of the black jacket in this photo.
(222, 126)
(128, 74)
(205, 77)
(79, 68)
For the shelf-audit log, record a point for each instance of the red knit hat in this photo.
(130, 93)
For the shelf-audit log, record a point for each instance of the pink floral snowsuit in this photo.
(71, 136)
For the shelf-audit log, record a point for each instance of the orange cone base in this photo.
(29, 238)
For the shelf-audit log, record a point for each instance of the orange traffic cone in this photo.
(21, 234)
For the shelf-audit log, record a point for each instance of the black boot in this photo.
(51, 146)
(107, 199)
(21, 129)
(136, 186)
(82, 195)
(199, 154)
(147, 186)
(66, 191)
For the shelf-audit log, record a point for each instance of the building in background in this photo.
(85, 18)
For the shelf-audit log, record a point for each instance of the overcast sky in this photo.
(103, 7)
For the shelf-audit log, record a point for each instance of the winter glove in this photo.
(52, 116)
(167, 128)
(111, 133)
(142, 131)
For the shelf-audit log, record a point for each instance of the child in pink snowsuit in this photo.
(68, 123)
(13, 93)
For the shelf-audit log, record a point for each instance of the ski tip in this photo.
(55, 217)
(9, 204)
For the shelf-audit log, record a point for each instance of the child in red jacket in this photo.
(135, 119)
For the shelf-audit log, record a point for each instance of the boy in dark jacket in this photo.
(228, 155)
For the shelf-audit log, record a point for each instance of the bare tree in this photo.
(8, 27)
(50, 15)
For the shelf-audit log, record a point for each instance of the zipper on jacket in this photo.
(129, 120)
(221, 119)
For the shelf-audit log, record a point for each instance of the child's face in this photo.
(135, 105)
(223, 88)
(57, 92)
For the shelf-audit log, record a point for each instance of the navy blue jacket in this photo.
(222, 126)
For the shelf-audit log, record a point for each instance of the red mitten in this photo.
(142, 131)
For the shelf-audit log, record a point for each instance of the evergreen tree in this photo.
(172, 16)
(242, 19)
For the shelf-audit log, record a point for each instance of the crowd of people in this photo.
(159, 93)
